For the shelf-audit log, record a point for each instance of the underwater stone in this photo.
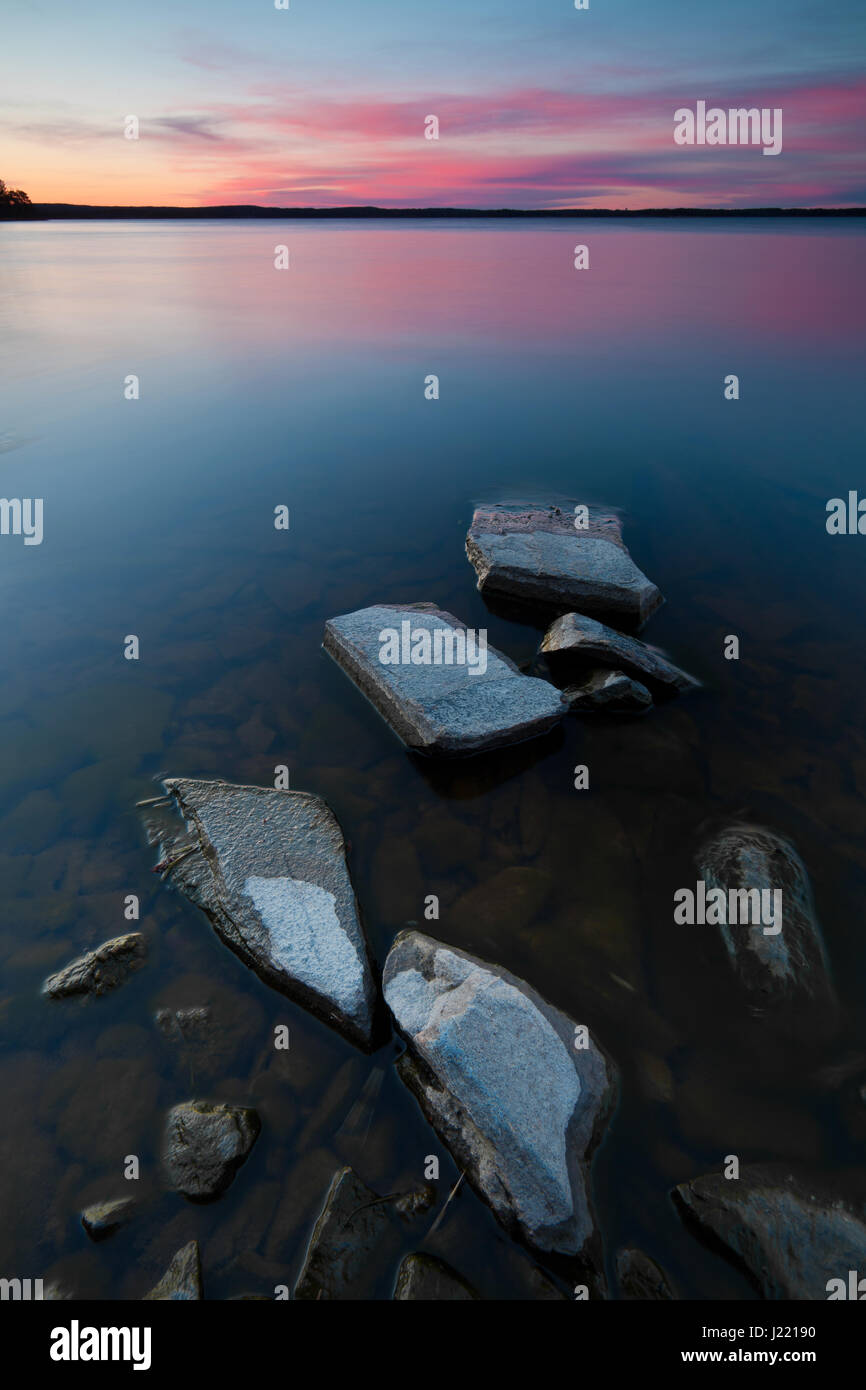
(608, 692)
(204, 1145)
(424, 1278)
(101, 970)
(182, 1279)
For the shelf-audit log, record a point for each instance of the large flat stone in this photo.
(496, 1071)
(269, 869)
(535, 555)
(574, 642)
(441, 709)
(790, 1234)
(791, 964)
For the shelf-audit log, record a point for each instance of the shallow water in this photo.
(307, 388)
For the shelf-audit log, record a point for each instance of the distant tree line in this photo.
(12, 200)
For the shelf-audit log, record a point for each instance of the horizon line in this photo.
(45, 210)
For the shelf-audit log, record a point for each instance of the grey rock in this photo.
(536, 555)
(100, 970)
(102, 1219)
(788, 1233)
(496, 1072)
(204, 1145)
(182, 1279)
(443, 709)
(269, 869)
(641, 1278)
(574, 642)
(422, 1277)
(354, 1235)
(185, 1026)
(608, 692)
(792, 964)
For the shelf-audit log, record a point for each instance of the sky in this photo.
(539, 105)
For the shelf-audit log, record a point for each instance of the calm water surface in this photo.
(307, 388)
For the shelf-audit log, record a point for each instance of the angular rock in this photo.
(204, 1145)
(608, 692)
(422, 1277)
(536, 556)
(574, 642)
(440, 709)
(641, 1278)
(182, 1279)
(350, 1239)
(496, 1072)
(100, 970)
(791, 964)
(104, 1218)
(269, 869)
(790, 1234)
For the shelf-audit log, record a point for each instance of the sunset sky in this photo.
(539, 105)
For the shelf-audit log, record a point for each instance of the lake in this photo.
(306, 388)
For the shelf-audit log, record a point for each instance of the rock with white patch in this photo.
(497, 1073)
(574, 643)
(775, 967)
(537, 556)
(440, 707)
(269, 869)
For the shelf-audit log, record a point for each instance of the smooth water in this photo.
(306, 388)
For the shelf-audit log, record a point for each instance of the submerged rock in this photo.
(352, 1236)
(204, 1145)
(641, 1278)
(574, 642)
(100, 970)
(791, 963)
(102, 1219)
(496, 1071)
(608, 692)
(269, 869)
(182, 1279)
(791, 1237)
(537, 556)
(422, 1277)
(439, 707)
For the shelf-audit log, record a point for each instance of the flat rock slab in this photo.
(536, 555)
(790, 965)
(100, 970)
(102, 1219)
(436, 707)
(607, 692)
(204, 1145)
(269, 869)
(496, 1071)
(574, 642)
(424, 1278)
(791, 1236)
(352, 1238)
(182, 1280)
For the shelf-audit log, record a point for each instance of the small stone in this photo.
(641, 1278)
(611, 692)
(574, 642)
(182, 1279)
(100, 970)
(204, 1145)
(424, 1278)
(104, 1218)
